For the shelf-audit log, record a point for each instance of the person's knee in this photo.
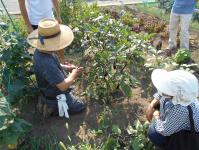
(151, 132)
(156, 138)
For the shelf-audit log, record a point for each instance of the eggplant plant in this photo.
(15, 66)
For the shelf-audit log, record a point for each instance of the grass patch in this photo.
(46, 142)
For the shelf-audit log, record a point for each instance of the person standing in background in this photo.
(181, 14)
(35, 10)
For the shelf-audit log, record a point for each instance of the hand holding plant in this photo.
(76, 72)
(68, 66)
(156, 114)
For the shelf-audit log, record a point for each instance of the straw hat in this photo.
(50, 36)
(180, 84)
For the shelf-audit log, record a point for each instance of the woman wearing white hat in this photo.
(52, 80)
(176, 90)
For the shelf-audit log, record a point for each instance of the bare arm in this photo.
(68, 66)
(57, 10)
(151, 109)
(64, 85)
(24, 13)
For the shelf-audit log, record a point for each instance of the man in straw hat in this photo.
(35, 10)
(54, 84)
(176, 90)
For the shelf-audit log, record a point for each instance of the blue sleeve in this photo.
(53, 74)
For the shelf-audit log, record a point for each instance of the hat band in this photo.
(41, 38)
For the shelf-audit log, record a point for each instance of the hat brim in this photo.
(159, 78)
(59, 42)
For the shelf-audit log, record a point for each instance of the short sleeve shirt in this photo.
(184, 6)
(48, 73)
(39, 9)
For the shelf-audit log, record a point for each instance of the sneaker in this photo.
(168, 51)
(44, 109)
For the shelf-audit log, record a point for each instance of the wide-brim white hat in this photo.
(180, 84)
(50, 36)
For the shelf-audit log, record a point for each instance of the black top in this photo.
(48, 73)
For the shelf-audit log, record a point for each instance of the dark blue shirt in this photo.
(48, 73)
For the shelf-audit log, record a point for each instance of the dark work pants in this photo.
(156, 138)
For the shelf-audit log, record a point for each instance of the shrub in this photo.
(15, 66)
(182, 56)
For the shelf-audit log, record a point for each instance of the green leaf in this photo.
(5, 113)
(182, 56)
(110, 144)
(21, 125)
(16, 89)
(136, 144)
(130, 130)
(98, 132)
(5, 121)
(146, 125)
(4, 107)
(126, 89)
(11, 134)
(138, 126)
(116, 130)
(62, 146)
(11, 128)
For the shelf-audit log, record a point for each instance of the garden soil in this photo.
(122, 114)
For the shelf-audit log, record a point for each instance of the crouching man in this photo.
(52, 80)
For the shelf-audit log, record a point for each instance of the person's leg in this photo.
(75, 105)
(185, 20)
(156, 138)
(173, 26)
(47, 107)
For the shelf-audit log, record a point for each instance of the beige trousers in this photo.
(184, 21)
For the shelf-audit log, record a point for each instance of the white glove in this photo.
(62, 105)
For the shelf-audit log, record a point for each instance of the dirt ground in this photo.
(195, 53)
(123, 113)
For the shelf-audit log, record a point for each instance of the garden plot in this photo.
(126, 45)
